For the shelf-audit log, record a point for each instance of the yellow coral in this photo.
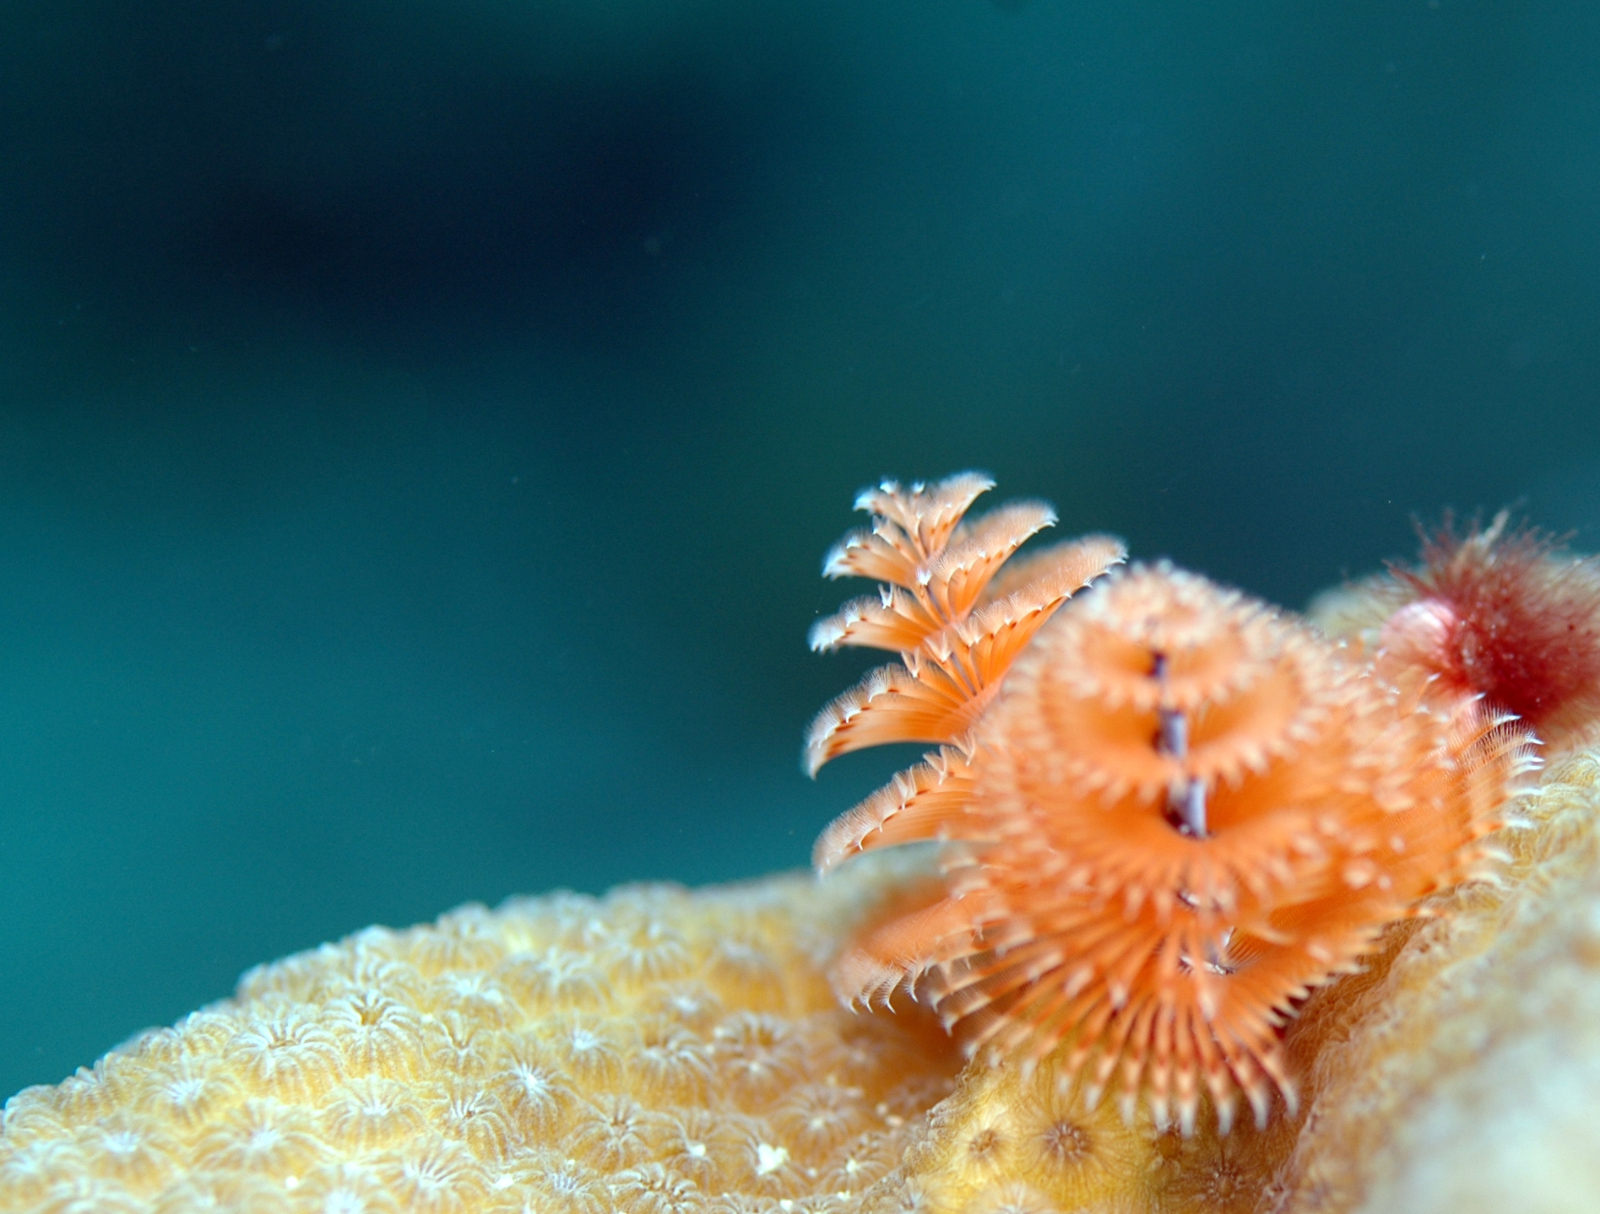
(659, 1051)
(664, 1051)
(651, 1051)
(1467, 1075)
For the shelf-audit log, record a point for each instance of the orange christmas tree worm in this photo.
(1183, 813)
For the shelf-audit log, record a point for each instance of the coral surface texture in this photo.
(1422, 896)
(659, 1050)
(651, 1051)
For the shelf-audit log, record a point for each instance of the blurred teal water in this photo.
(420, 427)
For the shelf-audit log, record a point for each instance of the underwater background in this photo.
(421, 423)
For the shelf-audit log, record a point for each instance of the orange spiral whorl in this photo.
(1188, 811)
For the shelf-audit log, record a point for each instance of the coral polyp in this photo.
(1184, 812)
(705, 1068)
